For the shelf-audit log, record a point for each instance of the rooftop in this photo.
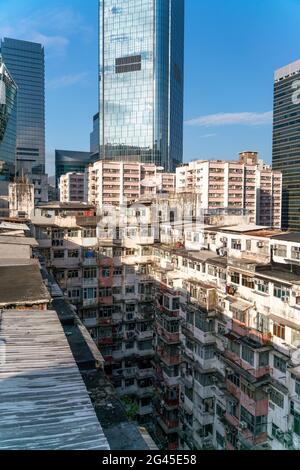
(288, 237)
(22, 284)
(44, 402)
(17, 240)
(65, 206)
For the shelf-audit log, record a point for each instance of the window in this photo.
(247, 282)
(274, 429)
(248, 355)
(118, 271)
(90, 273)
(297, 387)
(130, 308)
(235, 278)
(264, 359)
(276, 397)
(296, 423)
(73, 254)
(58, 254)
(255, 424)
(129, 382)
(73, 233)
(281, 292)
(105, 292)
(105, 272)
(262, 286)
(279, 330)
(279, 364)
(90, 293)
(129, 290)
(247, 390)
(74, 294)
(280, 250)
(234, 347)
(89, 233)
(73, 274)
(235, 379)
(296, 252)
(236, 244)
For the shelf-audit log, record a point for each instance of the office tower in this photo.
(69, 161)
(8, 97)
(245, 185)
(141, 81)
(286, 141)
(25, 61)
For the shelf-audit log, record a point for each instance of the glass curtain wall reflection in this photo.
(8, 123)
(141, 81)
(25, 61)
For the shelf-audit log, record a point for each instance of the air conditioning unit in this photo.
(243, 425)
(260, 245)
(267, 390)
(229, 371)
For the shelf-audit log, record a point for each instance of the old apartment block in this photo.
(198, 322)
(244, 184)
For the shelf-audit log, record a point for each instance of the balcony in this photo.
(169, 426)
(143, 335)
(171, 338)
(87, 262)
(90, 282)
(89, 302)
(145, 391)
(168, 358)
(202, 417)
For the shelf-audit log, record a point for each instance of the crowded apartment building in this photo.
(244, 184)
(195, 312)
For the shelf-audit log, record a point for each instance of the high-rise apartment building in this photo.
(71, 187)
(8, 96)
(25, 61)
(247, 184)
(117, 183)
(286, 140)
(141, 81)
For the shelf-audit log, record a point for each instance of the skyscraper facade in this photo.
(286, 141)
(141, 81)
(70, 161)
(8, 98)
(25, 61)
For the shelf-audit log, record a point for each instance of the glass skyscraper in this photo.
(286, 141)
(26, 63)
(8, 122)
(141, 81)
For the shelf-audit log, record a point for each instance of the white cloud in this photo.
(52, 27)
(225, 119)
(206, 136)
(67, 80)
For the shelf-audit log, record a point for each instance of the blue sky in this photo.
(232, 49)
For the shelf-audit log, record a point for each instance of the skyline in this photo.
(230, 112)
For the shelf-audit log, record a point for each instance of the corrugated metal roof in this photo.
(44, 403)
